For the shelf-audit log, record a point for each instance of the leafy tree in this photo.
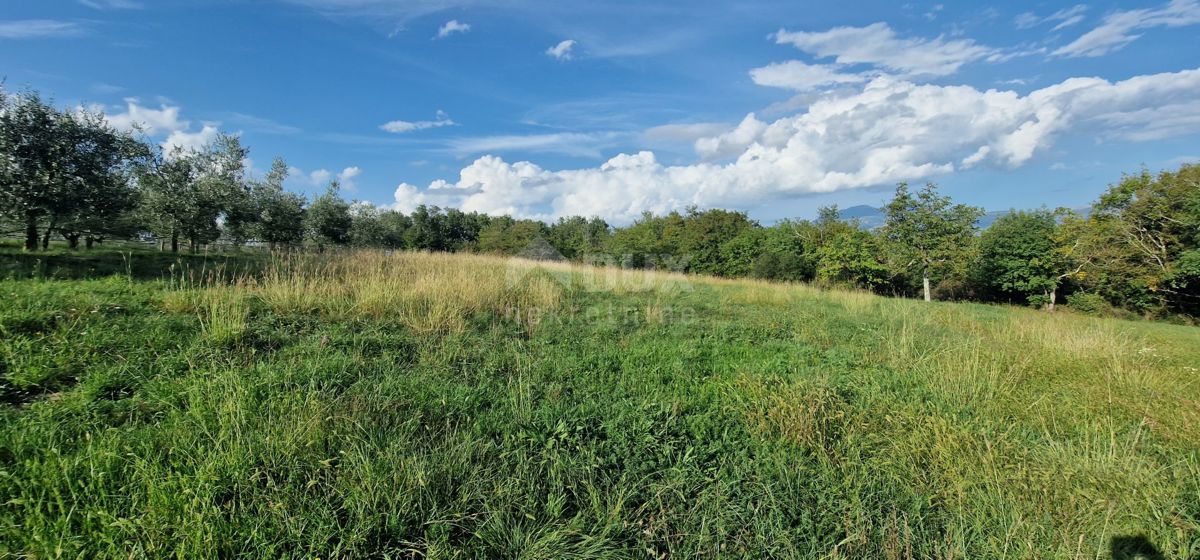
(461, 230)
(703, 235)
(279, 215)
(854, 257)
(507, 236)
(394, 225)
(786, 253)
(576, 237)
(366, 229)
(186, 193)
(739, 254)
(927, 232)
(1021, 253)
(328, 220)
(104, 199)
(650, 241)
(61, 168)
(427, 232)
(1137, 238)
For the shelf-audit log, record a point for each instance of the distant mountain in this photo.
(870, 217)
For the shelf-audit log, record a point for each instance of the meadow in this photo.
(367, 404)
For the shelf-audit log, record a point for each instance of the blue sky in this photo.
(543, 109)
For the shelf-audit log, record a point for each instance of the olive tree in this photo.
(279, 215)
(187, 192)
(64, 171)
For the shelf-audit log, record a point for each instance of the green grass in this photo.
(132, 260)
(348, 411)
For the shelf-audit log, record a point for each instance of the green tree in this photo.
(737, 256)
(650, 241)
(1136, 240)
(279, 215)
(703, 235)
(786, 252)
(576, 237)
(461, 229)
(1022, 253)
(394, 224)
(427, 232)
(186, 193)
(507, 236)
(366, 228)
(104, 199)
(927, 232)
(61, 168)
(852, 257)
(328, 220)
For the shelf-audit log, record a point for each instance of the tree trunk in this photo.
(72, 240)
(174, 241)
(1053, 297)
(46, 235)
(925, 285)
(88, 242)
(31, 232)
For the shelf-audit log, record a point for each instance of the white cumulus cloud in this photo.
(346, 177)
(888, 130)
(191, 141)
(164, 119)
(164, 122)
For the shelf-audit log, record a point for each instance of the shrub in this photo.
(1090, 304)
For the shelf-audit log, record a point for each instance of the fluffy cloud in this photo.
(878, 45)
(400, 127)
(889, 130)
(799, 76)
(562, 51)
(320, 178)
(451, 27)
(1118, 28)
(346, 178)
(191, 141)
(165, 121)
(37, 28)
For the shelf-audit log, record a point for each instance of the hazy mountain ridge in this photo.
(870, 217)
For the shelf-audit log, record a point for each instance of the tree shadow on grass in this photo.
(1134, 547)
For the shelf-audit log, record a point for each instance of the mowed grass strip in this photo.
(450, 406)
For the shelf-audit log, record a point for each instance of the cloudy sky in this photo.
(543, 109)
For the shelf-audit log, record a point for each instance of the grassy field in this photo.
(443, 406)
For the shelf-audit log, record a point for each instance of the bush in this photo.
(1090, 304)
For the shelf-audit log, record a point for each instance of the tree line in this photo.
(68, 174)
